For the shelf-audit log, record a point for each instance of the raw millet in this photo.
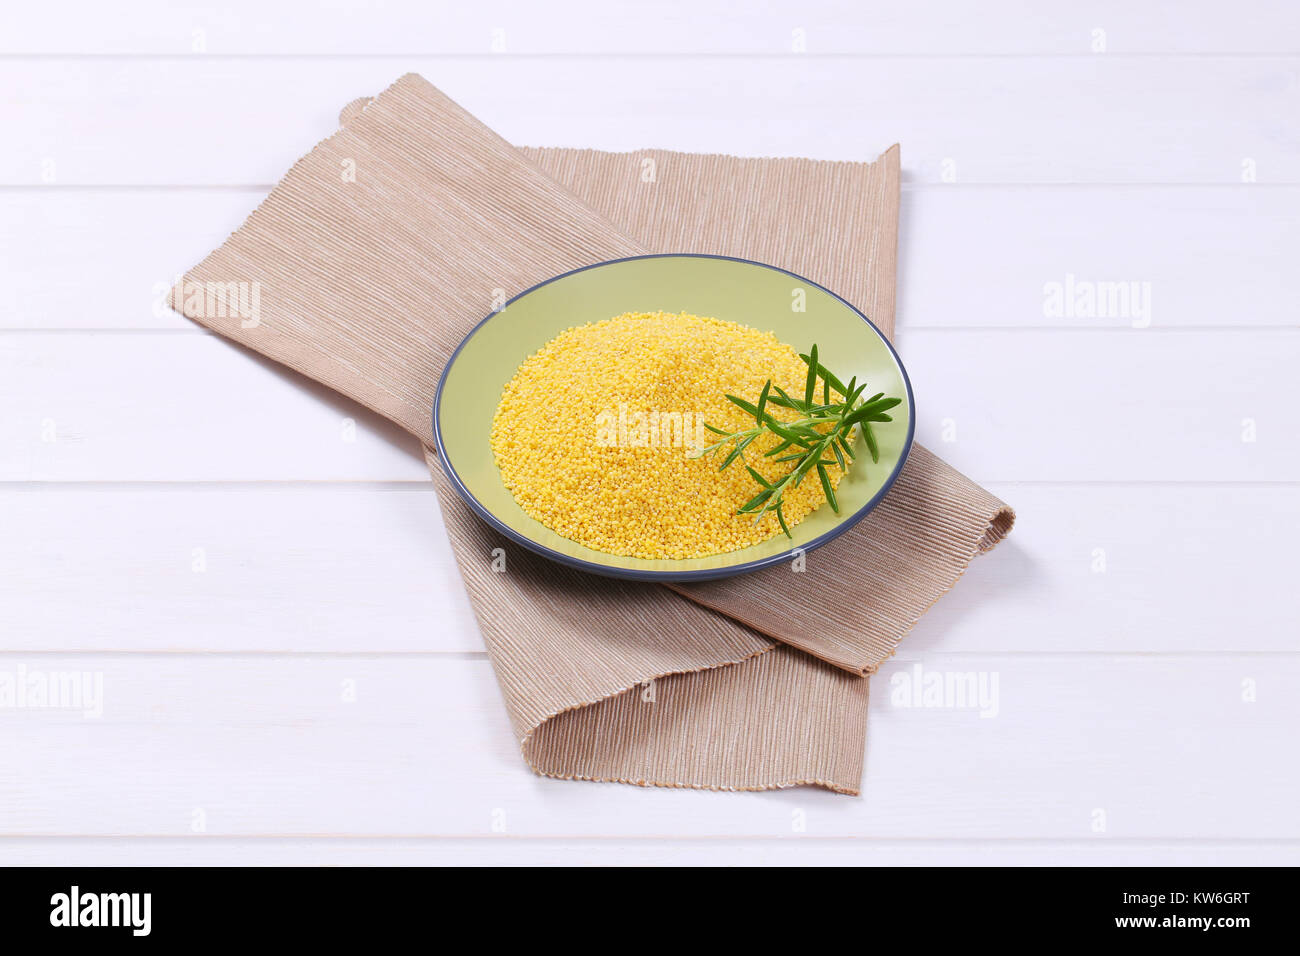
(595, 434)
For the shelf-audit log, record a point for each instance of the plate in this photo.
(798, 311)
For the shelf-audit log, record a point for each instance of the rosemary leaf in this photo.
(871, 443)
(749, 407)
(810, 388)
(825, 373)
(780, 516)
(826, 487)
(762, 403)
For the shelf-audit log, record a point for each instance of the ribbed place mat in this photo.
(382, 247)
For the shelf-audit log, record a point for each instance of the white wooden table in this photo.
(255, 568)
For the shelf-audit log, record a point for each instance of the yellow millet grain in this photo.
(586, 443)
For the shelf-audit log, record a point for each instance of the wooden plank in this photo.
(968, 119)
(640, 27)
(1122, 405)
(657, 851)
(129, 245)
(106, 259)
(257, 568)
(1107, 406)
(1177, 252)
(336, 567)
(205, 418)
(1124, 568)
(1090, 748)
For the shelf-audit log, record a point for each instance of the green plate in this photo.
(750, 293)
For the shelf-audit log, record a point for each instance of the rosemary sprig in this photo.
(818, 429)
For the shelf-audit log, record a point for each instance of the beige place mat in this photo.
(381, 248)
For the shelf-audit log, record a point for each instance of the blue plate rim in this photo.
(704, 574)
